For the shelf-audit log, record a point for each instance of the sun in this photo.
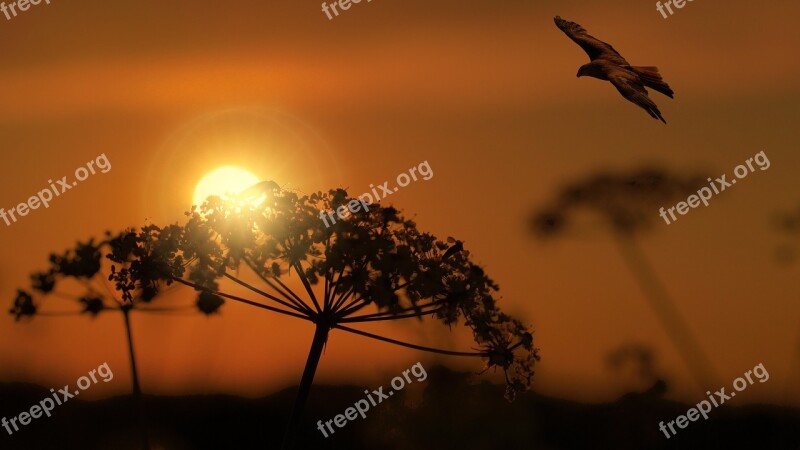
(223, 180)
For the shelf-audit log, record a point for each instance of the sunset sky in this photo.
(487, 94)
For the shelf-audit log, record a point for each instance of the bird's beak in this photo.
(578, 74)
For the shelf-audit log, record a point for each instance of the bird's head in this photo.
(583, 71)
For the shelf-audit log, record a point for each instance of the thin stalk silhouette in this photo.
(667, 312)
(304, 390)
(137, 389)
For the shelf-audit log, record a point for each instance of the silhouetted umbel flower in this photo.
(375, 258)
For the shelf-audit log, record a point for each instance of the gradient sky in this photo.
(484, 91)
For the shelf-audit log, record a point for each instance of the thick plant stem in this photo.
(668, 314)
(314, 355)
(137, 390)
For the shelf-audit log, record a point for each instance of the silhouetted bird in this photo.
(263, 187)
(261, 193)
(607, 64)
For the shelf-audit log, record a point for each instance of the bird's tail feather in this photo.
(652, 79)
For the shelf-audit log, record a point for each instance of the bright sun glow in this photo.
(224, 180)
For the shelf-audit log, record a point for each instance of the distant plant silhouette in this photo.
(375, 258)
(639, 361)
(788, 224)
(85, 265)
(628, 205)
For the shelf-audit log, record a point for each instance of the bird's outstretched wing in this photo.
(629, 85)
(595, 48)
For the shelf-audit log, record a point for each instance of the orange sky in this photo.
(485, 92)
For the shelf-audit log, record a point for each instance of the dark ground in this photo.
(453, 414)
